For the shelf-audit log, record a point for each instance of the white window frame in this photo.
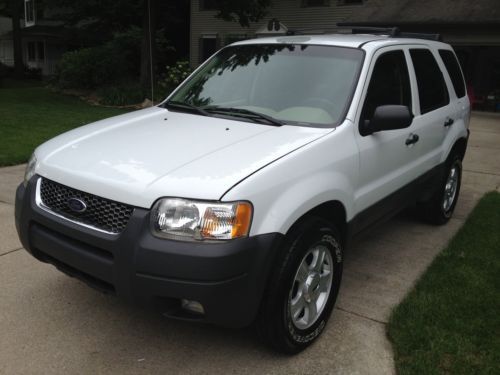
(32, 21)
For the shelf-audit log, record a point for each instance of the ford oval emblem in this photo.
(77, 205)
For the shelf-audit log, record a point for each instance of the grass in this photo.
(31, 114)
(450, 321)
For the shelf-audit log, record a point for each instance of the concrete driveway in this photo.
(50, 323)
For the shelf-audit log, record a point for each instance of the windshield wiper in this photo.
(183, 105)
(242, 112)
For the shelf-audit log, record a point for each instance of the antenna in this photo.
(151, 54)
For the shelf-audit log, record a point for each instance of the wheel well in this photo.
(459, 147)
(332, 211)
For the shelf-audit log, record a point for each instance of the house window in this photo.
(315, 3)
(207, 5)
(41, 50)
(350, 2)
(35, 51)
(208, 46)
(31, 51)
(29, 12)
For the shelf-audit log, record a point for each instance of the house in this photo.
(208, 33)
(6, 49)
(472, 27)
(43, 40)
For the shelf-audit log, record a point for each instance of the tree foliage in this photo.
(107, 16)
(242, 11)
(97, 22)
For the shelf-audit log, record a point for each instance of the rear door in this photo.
(458, 91)
(434, 108)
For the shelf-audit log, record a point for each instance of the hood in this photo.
(141, 156)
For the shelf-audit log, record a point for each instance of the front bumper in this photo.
(227, 278)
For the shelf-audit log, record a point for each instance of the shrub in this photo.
(87, 68)
(32, 73)
(92, 67)
(4, 70)
(124, 94)
(175, 74)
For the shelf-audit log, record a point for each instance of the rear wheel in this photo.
(302, 292)
(440, 207)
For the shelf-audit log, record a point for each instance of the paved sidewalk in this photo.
(50, 323)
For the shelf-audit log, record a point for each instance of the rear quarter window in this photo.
(452, 66)
(432, 89)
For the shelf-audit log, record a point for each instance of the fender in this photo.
(457, 131)
(285, 190)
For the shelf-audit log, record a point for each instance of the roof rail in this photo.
(390, 31)
(428, 36)
(393, 32)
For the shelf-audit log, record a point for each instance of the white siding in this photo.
(289, 12)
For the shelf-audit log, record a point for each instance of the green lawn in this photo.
(30, 114)
(450, 322)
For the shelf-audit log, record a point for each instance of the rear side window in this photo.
(453, 68)
(389, 84)
(432, 90)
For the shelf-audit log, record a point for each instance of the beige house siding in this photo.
(288, 12)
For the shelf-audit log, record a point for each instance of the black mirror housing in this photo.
(388, 117)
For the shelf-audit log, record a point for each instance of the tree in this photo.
(242, 11)
(148, 50)
(13, 9)
(95, 21)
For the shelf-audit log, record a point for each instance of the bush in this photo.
(175, 74)
(32, 73)
(4, 71)
(121, 95)
(88, 68)
(28, 73)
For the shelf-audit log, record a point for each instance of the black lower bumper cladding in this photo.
(226, 278)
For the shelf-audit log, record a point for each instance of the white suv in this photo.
(232, 201)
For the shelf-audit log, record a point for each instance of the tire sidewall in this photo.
(454, 161)
(319, 233)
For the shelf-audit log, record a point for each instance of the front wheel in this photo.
(302, 292)
(440, 207)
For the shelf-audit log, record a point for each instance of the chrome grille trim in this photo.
(74, 219)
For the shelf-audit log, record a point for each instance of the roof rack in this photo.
(393, 32)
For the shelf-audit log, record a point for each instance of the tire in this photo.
(439, 209)
(300, 285)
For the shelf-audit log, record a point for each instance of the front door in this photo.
(386, 158)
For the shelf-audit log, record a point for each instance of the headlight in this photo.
(30, 170)
(187, 220)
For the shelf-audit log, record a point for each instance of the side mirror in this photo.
(388, 117)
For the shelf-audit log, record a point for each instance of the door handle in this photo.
(412, 139)
(449, 122)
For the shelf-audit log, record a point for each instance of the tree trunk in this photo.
(148, 46)
(15, 8)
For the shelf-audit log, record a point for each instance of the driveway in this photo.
(50, 323)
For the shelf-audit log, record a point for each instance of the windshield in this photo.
(294, 84)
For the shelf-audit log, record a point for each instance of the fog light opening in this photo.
(192, 306)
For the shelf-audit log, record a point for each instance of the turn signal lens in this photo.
(243, 219)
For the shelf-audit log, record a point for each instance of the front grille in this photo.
(100, 213)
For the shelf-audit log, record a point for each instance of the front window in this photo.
(295, 84)
(389, 84)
